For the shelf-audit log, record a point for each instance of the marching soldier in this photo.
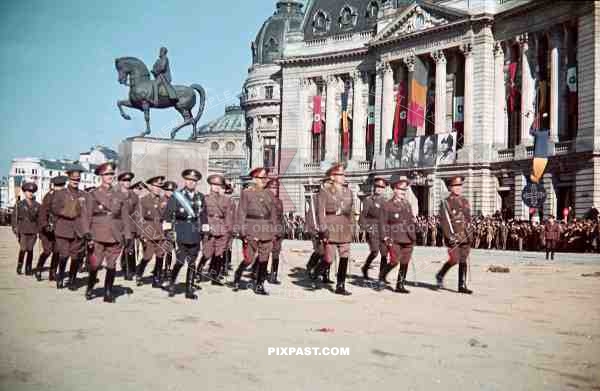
(47, 230)
(25, 225)
(311, 227)
(335, 224)
(109, 228)
(187, 211)
(256, 220)
(169, 187)
(71, 227)
(152, 209)
(397, 227)
(273, 187)
(228, 191)
(220, 224)
(369, 222)
(552, 235)
(455, 215)
(128, 261)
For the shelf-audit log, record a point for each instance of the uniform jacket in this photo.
(108, 214)
(45, 217)
(152, 210)
(397, 222)
(552, 231)
(257, 216)
(459, 212)
(335, 213)
(369, 217)
(66, 226)
(310, 225)
(131, 200)
(220, 217)
(25, 217)
(188, 229)
(280, 222)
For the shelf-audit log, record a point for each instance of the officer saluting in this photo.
(26, 226)
(187, 211)
(455, 215)
(369, 222)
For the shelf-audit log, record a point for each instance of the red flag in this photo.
(345, 124)
(512, 87)
(316, 128)
(400, 113)
(370, 139)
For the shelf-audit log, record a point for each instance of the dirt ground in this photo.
(536, 327)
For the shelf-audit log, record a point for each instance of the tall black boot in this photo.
(552, 255)
(439, 277)
(20, 262)
(168, 261)
(401, 278)
(189, 283)
(325, 275)
(462, 279)
(173, 278)
(89, 295)
(312, 262)
(201, 263)
(140, 272)
(319, 269)
(28, 263)
(157, 274)
(254, 272)
(274, 271)
(124, 262)
(53, 265)
(62, 267)
(547, 254)
(340, 288)
(384, 269)
(367, 265)
(74, 268)
(40, 265)
(108, 286)
(237, 276)
(130, 267)
(228, 260)
(215, 267)
(260, 278)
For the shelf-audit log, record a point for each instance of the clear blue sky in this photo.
(57, 74)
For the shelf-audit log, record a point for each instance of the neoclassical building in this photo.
(459, 83)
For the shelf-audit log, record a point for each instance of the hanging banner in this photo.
(446, 148)
(370, 139)
(317, 123)
(345, 124)
(417, 97)
(400, 113)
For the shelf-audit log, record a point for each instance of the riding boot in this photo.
(237, 276)
(189, 283)
(384, 269)
(53, 265)
(199, 276)
(552, 255)
(108, 286)
(319, 269)
(215, 267)
(40, 265)
(124, 262)
(254, 272)
(260, 279)
(157, 275)
(173, 278)
(274, 271)
(325, 275)
(228, 261)
(89, 295)
(20, 262)
(28, 263)
(439, 277)
(547, 254)
(340, 288)
(168, 261)
(401, 278)
(131, 266)
(74, 268)
(462, 279)
(312, 262)
(62, 267)
(140, 272)
(367, 265)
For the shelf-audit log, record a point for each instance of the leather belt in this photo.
(102, 214)
(217, 216)
(256, 217)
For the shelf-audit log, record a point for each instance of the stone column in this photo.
(359, 117)
(378, 102)
(500, 136)
(331, 121)
(409, 61)
(527, 87)
(387, 109)
(440, 91)
(555, 47)
(468, 99)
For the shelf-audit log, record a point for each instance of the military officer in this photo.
(369, 222)
(455, 216)
(152, 209)
(273, 187)
(128, 261)
(168, 187)
(46, 222)
(335, 224)
(552, 233)
(228, 191)
(256, 220)
(397, 226)
(187, 211)
(109, 227)
(215, 241)
(71, 227)
(311, 227)
(25, 224)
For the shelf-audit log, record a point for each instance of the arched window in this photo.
(230, 146)
(347, 17)
(214, 146)
(271, 45)
(321, 22)
(372, 9)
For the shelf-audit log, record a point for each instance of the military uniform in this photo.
(169, 187)
(398, 228)
(26, 226)
(186, 209)
(279, 230)
(552, 236)
(455, 216)
(232, 215)
(71, 226)
(369, 222)
(128, 260)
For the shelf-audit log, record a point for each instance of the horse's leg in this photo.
(146, 108)
(188, 119)
(120, 104)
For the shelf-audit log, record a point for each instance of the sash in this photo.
(185, 202)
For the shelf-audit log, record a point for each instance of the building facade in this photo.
(433, 89)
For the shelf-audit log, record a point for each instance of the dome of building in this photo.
(232, 121)
(269, 42)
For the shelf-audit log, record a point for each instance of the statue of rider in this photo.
(162, 73)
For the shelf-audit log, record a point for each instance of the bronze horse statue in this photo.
(133, 72)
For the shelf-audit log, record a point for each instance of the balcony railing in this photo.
(506, 154)
(563, 147)
(312, 167)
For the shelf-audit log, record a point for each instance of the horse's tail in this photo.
(201, 101)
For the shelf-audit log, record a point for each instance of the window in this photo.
(269, 152)
(372, 9)
(270, 121)
(347, 17)
(214, 146)
(271, 45)
(321, 22)
(269, 92)
(230, 146)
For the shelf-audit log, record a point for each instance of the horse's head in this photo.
(131, 68)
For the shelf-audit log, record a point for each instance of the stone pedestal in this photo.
(148, 157)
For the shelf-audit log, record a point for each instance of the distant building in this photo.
(3, 193)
